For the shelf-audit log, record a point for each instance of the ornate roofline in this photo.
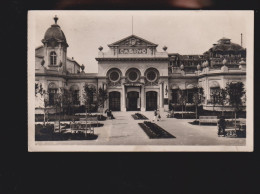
(116, 43)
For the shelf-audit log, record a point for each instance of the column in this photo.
(161, 98)
(123, 97)
(161, 95)
(142, 98)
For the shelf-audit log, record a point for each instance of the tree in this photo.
(88, 96)
(67, 100)
(235, 92)
(39, 90)
(222, 98)
(101, 98)
(198, 97)
(58, 102)
(182, 98)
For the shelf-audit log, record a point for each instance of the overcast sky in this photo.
(184, 32)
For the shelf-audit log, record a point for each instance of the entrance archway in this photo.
(132, 101)
(151, 100)
(114, 101)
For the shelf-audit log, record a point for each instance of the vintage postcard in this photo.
(140, 81)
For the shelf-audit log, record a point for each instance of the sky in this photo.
(183, 32)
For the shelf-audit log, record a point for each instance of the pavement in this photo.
(124, 130)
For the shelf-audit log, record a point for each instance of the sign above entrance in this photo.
(133, 51)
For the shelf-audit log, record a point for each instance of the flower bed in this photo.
(138, 116)
(47, 134)
(236, 133)
(153, 131)
(52, 117)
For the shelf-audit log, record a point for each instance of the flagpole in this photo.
(132, 25)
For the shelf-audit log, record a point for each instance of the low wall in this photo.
(49, 109)
(219, 108)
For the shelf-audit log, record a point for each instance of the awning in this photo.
(190, 86)
(214, 84)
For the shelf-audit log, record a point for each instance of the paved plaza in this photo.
(124, 130)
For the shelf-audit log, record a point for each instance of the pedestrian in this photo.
(222, 126)
(111, 115)
(155, 115)
(158, 115)
(108, 113)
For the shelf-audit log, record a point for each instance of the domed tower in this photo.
(55, 47)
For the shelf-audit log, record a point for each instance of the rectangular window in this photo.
(52, 93)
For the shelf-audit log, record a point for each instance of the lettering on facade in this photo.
(133, 51)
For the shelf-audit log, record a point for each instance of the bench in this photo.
(90, 120)
(83, 125)
(208, 119)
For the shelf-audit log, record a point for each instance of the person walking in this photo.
(158, 115)
(222, 126)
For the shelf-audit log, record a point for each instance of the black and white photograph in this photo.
(139, 81)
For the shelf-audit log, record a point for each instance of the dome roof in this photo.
(225, 44)
(54, 32)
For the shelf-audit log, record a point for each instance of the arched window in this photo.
(53, 58)
(75, 94)
(214, 91)
(151, 74)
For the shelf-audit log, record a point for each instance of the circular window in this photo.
(133, 76)
(114, 76)
(151, 76)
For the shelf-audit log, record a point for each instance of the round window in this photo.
(114, 76)
(133, 76)
(151, 76)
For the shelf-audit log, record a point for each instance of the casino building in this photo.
(135, 74)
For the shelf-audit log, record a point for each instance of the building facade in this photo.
(135, 74)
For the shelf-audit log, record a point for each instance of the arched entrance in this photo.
(132, 101)
(114, 101)
(151, 100)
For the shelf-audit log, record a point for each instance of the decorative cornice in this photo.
(134, 84)
(134, 59)
(221, 73)
(80, 76)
